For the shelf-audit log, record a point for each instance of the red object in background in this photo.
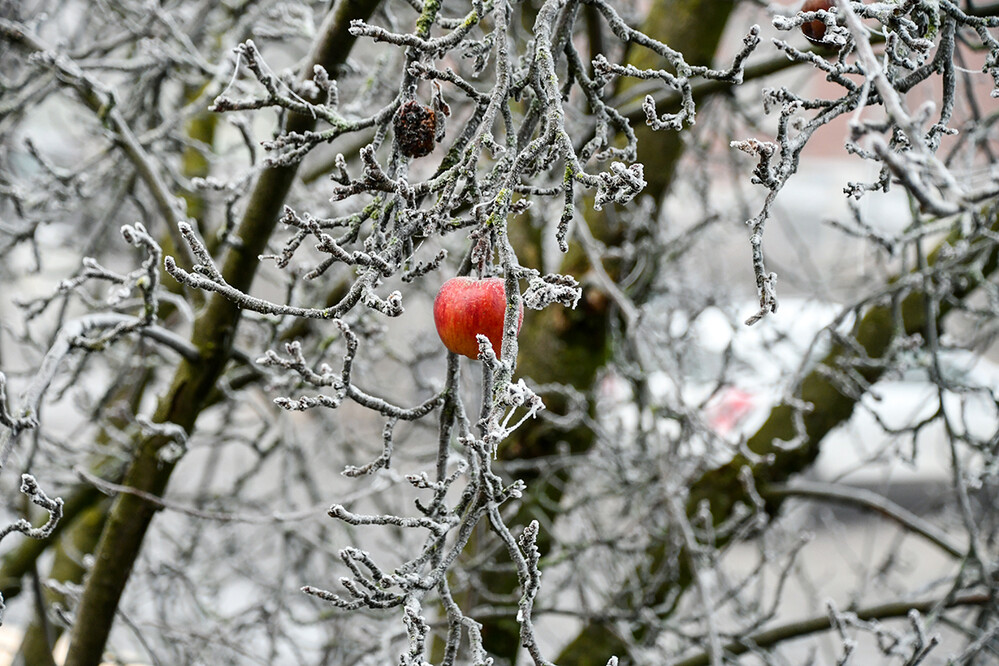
(732, 406)
(466, 307)
(815, 31)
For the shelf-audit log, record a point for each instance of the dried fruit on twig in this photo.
(415, 129)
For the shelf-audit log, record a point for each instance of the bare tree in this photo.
(222, 228)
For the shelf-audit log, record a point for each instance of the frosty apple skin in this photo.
(466, 307)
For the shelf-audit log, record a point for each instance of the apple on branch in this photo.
(466, 307)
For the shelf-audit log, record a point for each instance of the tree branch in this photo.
(101, 101)
(869, 500)
(771, 637)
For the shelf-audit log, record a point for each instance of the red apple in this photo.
(466, 307)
